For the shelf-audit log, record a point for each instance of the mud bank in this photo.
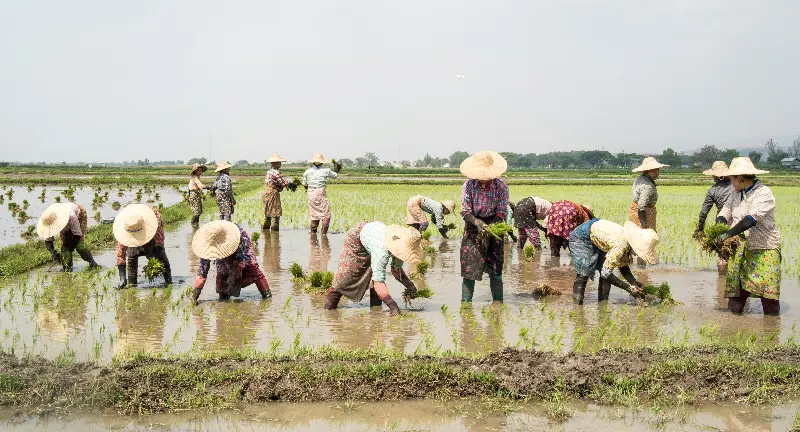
(146, 384)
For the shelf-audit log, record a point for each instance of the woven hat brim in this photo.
(62, 219)
(202, 247)
(642, 168)
(716, 173)
(409, 248)
(449, 205)
(196, 167)
(317, 160)
(746, 171)
(223, 167)
(642, 241)
(138, 238)
(271, 160)
(470, 168)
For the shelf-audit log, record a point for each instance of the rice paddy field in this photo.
(532, 363)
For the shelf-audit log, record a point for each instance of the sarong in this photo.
(586, 257)
(318, 208)
(755, 271)
(354, 275)
(196, 202)
(650, 215)
(481, 253)
(271, 198)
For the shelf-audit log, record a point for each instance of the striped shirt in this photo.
(275, 179)
(373, 238)
(317, 177)
(644, 191)
(435, 209)
(757, 202)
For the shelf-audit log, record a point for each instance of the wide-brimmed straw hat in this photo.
(405, 243)
(135, 225)
(53, 220)
(449, 205)
(642, 241)
(275, 158)
(318, 158)
(484, 165)
(200, 167)
(216, 240)
(649, 163)
(222, 166)
(718, 169)
(742, 166)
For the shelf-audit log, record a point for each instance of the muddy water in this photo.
(472, 416)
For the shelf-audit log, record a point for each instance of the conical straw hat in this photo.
(318, 158)
(275, 158)
(216, 240)
(200, 167)
(743, 166)
(405, 243)
(642, 241)
(718, 169)
(53, 220)
(135, 225)
(649, 163)
(223, 165)
(449, 205)
(484, 165)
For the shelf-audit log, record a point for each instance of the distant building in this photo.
(791, 162)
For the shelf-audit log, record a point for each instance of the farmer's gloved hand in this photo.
(337, 167)
(605, 272)
(643, 218)
(423, 227)
(443, 232)
(53, 253)
(721, 239)
(477, 223)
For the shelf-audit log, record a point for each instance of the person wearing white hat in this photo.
(563, 217)
(315, 180)
(231, 248)
(196, 192)
(367, 249)
(484, 200)
(274, 184)
(139, 232)
(645, 194)
(717, 195)
(527, 214)
(223, 189)
(603, 245)
(418, 205)
(68, 221)
(754, 270)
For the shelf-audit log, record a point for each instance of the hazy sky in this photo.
(120, 80)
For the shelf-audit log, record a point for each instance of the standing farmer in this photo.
(484, 200)
(69, 222)
(315, 180)
(755, 268)
(562, 218)
(223, 188)
(527, 214)
(718, 195)
(645, 194)
(274, 184)
(418, 205)
(196, 192)
(139, 232)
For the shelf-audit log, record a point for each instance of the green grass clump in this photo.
(796, 424)
(153, 269)
(661, 293)
(297, 271)
(499, 230)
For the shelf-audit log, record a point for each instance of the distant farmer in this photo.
(139, 232)
(274, 184)
(418, 205)
(67, 221)
(645, 195)
(367, 249)
(602, 245)
(717, 195)
(484, 200)
(223, 188)
(510, 220)
(755, 268)
(562, 218)
(196, 192)
(231, 248)
(527, 214)
(315, 180)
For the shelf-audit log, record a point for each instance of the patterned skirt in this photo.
(318, 208)
(755, 271)
(479, 255)
(228, 284)
(196, 202)
(354, 275)
(271, 198)
(225, 204)
(586, 257)
(650, 215)
(564, 217)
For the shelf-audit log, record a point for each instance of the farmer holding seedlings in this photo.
(315, 180)
(603, 245)
(274, 184)
(645, 194)
(139, 232)
(418, 205)
(527, 214)
(68, 221)
(562, 218)
(717, 195)
(754, 270)
(484, 200)
(367, 249)
(196, 192)
(223, 188)
(230, 246)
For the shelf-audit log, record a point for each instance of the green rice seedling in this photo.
(499, 230)
(661, 293)
(449, 227)
(116, 205)
(44, 192)
(429, 249)
(528, 252)
(318, 279)
(153, 269)
(22, 217)
(58, 198)
(422, 268)
(255, 236)
(297, 271)
(711, 232)
(426, 235)
(25, 204)
(29, 232)
(327, 280)
(424, 292)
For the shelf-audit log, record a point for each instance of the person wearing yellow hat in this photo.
(274, 184)
(562, 218)
(418, 205)
(196, 188)
(67, 221)
(603, 245)
(717, 195)
(139, 232)
(223, 189)
(484, 200)
(754, 270)
(367, 249)
(315, 180)
(645, 194)
(232, 250)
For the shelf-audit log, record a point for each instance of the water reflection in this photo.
(141, 316)
(319, 253)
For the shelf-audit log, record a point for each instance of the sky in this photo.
(160, 79)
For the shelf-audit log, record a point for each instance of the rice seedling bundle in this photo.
(543, 290)
(429, 249)
(426, 235)
(424, 292)
(528, 252)
(422, 268)
(153, 269)
(297, 271)
(710, 233)
(499, 230)
(255, 236)
(659, 293)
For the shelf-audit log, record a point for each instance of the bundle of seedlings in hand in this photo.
(711, 232)
(545, 290)
(429, 249)
(528, 252)
(426, 235)
(449, 227)
(153, 269)
(659, 293)
(499, 230)
(297, 271)
(424, 292)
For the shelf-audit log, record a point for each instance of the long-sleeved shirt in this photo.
(435, 209)
(756, 202)
(244, 254)
(74, 224)
(529, 210)
(275, 179)
(195, 183)
(645, 192)
(317, 177)
(717, 195)
(484, 202)
(158, 239)
(223, 186)
(609, 237)
(373, 238)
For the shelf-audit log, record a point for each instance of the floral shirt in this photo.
(373, 238)
(317, 177)
(223, 187)
(484, 202)
(244, 254)
(609, 237)
(644, 191)
(275, 179)
(756, 202)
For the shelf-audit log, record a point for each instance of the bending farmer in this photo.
(139, 232)
(418, 205)
(69, 222)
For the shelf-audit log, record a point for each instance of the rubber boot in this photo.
(276, 224)
(267, 223)
(133, 269)
(619, 283)
(555, 246)
(167, 274)
(314, 226)
(195, 220)
(223, 296)
(579, 288)
(196, 295)
(393, 308)
(603, 290)
(467, 290)
(87, 256)
(53, 253)
(332, 300)
(123, 281)
(374, 299)
(496, 287)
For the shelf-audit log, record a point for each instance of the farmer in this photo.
(562, 218)
(223, 188)
(645, 194)
(230, 246)
(603, 245)
(68, 221)
(139, 232)
(274, 183)
(754, 270)
(315, 180)
(717, 195)
(418, 205)
(367, 249)
(527, 214)
(196, 192)
(484, 200)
